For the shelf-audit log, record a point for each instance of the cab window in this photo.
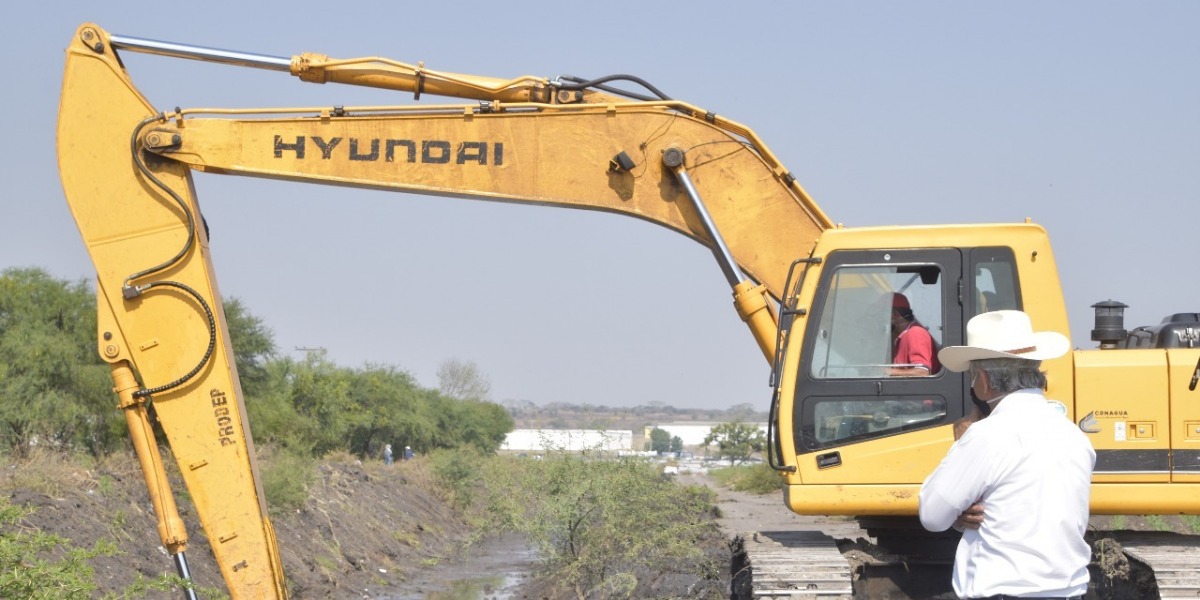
(840, 420)
(880, 321)
(994, 281)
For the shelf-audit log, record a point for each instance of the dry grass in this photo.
(50, 472)
(415, 472)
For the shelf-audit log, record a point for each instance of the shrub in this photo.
(604, 528)
(286, 477)
(456, 471)
(26, 571)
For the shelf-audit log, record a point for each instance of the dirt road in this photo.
(743, 512)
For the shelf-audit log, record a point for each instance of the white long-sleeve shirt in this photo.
(1031, 468)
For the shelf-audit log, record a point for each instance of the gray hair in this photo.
(1007, 375)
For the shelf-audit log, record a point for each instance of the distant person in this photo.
(1017, 481)
(913, 351)
(408, 453)
(387, 454)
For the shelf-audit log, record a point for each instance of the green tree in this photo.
(736, 440)
(483, 425)
(676, 444)
(253, 346)
(660, 440)
(315, 407)
(53, 386)
(393, 409)
(56, 391)
(274, 418)
(321, 393)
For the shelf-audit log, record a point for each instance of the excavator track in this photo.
(811, 564)
(1174, 558)
(790, 564)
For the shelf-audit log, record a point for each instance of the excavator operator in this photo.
(913, 351)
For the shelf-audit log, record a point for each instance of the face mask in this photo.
(984, 407)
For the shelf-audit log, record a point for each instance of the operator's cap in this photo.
(900, 301)
(1003, 334)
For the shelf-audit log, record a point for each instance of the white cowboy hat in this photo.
(1003, 334)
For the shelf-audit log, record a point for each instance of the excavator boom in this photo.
(126, 170)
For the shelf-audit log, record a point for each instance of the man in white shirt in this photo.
(1017, 482)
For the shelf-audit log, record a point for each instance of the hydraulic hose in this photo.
(578, 83)
(131, 291)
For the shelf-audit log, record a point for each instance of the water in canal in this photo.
(493, 570)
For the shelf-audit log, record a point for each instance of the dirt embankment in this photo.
(367, 531)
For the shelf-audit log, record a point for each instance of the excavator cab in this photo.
(847, 399)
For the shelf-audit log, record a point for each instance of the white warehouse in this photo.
(543, 440)
(692, 433)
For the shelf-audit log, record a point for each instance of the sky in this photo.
(1083, 116)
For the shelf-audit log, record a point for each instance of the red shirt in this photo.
(914, 346)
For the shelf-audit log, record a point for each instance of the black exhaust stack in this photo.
(1110, 324)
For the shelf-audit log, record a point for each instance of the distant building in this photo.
(543, 440)
(692, 433)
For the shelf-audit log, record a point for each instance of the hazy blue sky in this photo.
(1084, 116)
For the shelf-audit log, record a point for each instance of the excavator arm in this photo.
(126, 171)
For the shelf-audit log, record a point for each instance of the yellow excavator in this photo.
(847, 435)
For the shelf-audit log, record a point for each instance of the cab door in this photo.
(853, 398)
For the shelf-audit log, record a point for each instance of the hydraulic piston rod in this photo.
(673, 159)
(749, 299)
(229, 57)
